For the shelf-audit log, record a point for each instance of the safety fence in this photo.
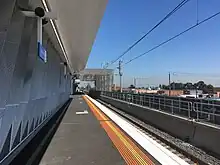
(198, 109)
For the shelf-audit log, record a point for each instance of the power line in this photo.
(120, 74)
(197, 11)
(145, 35)
(209, 75)
(174, 37)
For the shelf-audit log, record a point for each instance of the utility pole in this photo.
(135, 82)
(169, 85)
(120, 73)
(103, 76)
(197, 91)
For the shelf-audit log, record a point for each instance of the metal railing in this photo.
(193, 109)
(207, 111)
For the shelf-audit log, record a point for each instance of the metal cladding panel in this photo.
(30, 90)
(16, 86)
(78, 22)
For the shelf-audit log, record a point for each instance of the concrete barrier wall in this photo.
(94, 94)
(198, 134)
(207, 137)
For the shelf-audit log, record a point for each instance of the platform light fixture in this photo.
(56, 32)
(41, 16)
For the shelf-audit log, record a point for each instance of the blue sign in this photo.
(42, 53)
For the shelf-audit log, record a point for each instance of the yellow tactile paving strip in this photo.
(126, 147)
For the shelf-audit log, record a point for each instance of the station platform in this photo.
(91, 133)
(87, 136)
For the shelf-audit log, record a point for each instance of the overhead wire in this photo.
(172, 38)
(181, 4)
(195, 74)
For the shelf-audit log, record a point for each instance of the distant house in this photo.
(171, 92)
(193, 92)
(217, 92)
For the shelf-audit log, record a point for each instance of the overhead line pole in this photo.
(120, 73)
(135, 82)
(169, 85)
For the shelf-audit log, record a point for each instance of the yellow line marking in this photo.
(121, 148)
(138, 157)
(135, 153)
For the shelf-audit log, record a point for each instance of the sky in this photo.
(197, 51)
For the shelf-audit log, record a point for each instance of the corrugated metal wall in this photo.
(30, 90)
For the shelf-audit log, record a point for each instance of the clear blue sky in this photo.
(125, 21)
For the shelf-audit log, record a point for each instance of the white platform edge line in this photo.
(160, 153)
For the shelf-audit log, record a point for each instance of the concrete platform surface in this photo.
(80, 140)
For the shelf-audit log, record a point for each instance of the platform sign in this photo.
(42, 53)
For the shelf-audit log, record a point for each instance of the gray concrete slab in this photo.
(80, 140)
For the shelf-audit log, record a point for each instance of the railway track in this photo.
(184, 150)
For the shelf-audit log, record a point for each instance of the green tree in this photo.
(200, 85)
(208, 89)
(188, 85)
(131, 86)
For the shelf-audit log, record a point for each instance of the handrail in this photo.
(195, 109)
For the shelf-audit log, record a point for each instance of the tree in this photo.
(188, 85)
(164, 86)
(177, 86)
(131, 86)
(199, 85)
(208, 89)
